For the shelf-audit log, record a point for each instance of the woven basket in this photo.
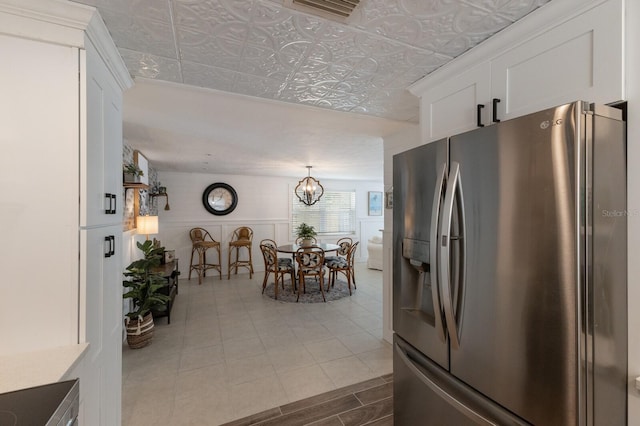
(139, 331)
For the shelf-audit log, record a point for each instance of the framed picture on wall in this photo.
(375, 203)
(143, 164)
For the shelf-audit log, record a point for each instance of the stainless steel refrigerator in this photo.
(509, 273)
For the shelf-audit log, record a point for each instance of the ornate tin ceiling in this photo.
(262, 48)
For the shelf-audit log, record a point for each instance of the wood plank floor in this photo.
(367, 403)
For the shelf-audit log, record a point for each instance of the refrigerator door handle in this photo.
(453, 401)
(454, 189)
(433, 252)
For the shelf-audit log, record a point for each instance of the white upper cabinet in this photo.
(562, 52)
(101, 143)
(578, 60)
(456, 105)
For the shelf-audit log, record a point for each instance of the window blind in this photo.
(335, 213)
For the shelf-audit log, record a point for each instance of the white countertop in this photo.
(25, 370)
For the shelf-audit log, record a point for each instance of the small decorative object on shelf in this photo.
(132, 173)
(169, 256)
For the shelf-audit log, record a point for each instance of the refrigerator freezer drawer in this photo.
(426, 394)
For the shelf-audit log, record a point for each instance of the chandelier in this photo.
(309, 189)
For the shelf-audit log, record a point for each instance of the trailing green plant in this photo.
(133, 169)
(143, 284)
(305, 231)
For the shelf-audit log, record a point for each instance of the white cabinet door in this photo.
(39, 186)
(452, 107)
(578, 60)
(101, 143)
(101, 322)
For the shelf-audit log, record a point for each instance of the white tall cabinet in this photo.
(61, 87)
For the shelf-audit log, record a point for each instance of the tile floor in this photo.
(230, 352)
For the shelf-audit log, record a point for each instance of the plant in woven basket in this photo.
(143, 289)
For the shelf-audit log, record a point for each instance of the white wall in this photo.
(264, 204)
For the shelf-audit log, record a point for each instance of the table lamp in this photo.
(147, 225)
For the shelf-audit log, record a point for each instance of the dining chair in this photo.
(345, 244)
(242, 238)
(310, 262)
(269, 242)
(201, 241)
(274, 265)
(342, 265)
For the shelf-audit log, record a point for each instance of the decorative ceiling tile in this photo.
(201, 16)
(276, 35)
(255, 86)
(511, 9)
(264, 63)
(262, 48)
(151, 66)
(143, 35)
(147, 9)
(205, 76)
(268, 15)
(205, 49)
(293, 53)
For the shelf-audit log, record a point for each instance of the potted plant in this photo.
(143, 290)
(132, 172)
(307, 233)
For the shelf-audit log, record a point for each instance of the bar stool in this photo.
(242, 237)
(201, 241)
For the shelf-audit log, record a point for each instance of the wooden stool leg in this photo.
(219, 262)
(201, 265)
(191, 262)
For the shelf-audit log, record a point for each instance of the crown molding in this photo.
(58, 12)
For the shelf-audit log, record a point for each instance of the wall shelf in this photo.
(138, 185)
(154, 195)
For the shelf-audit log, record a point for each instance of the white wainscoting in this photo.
(175, 236)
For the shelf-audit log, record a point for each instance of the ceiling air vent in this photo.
(337, 10)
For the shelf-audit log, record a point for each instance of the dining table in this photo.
(293, 248)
